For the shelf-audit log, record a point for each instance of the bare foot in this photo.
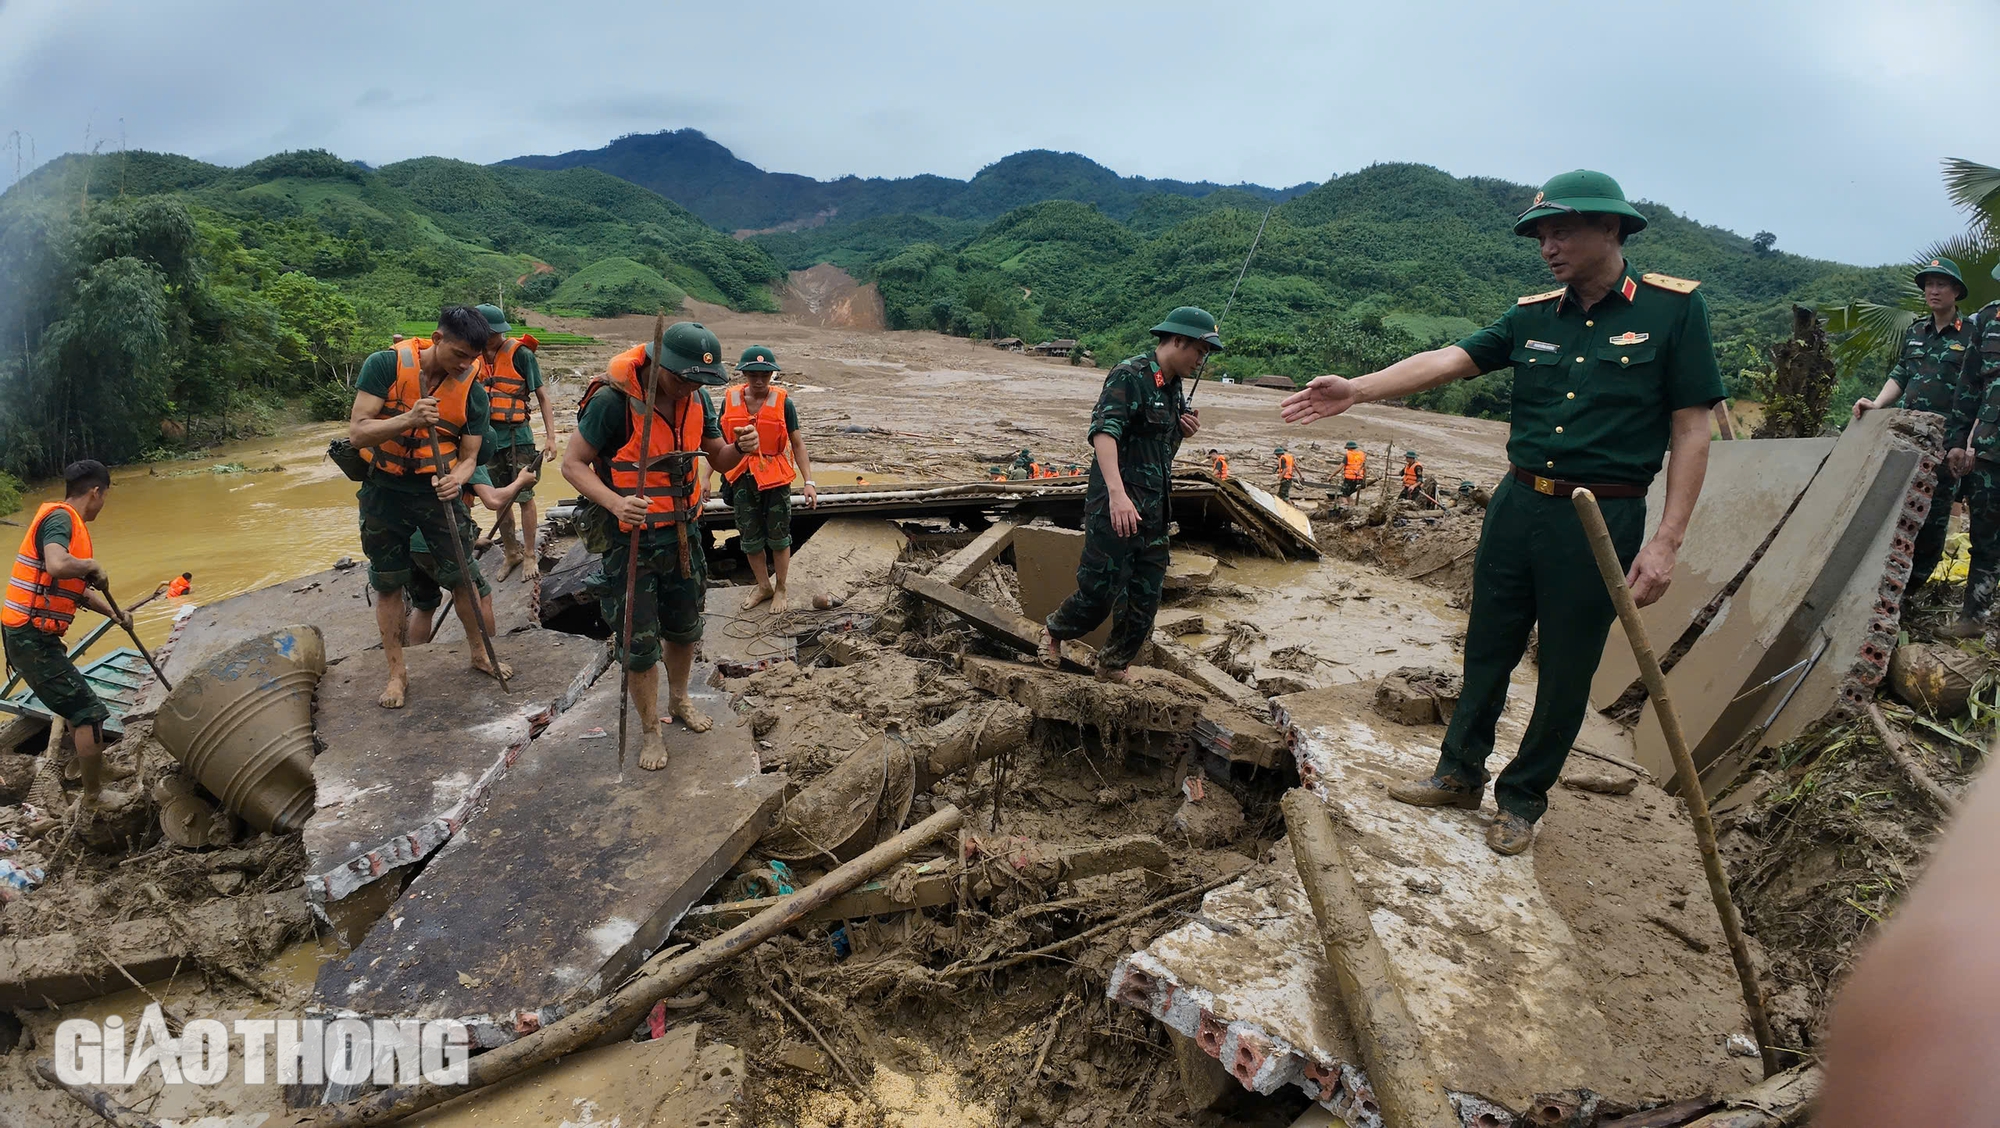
(398, 688)
(507, 566)
(1046, 652)
(778, 601)
(531, 566)
(696, 720)
(479, 663)
(653, 753)
(757, 595)
(1119, 676)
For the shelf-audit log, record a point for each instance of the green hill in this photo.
(733, 194)
(1359, 270)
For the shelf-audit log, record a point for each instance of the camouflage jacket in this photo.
(1930, 362)
(1975, 417)
(1141, 409)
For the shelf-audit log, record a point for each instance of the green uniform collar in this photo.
(1626, 288)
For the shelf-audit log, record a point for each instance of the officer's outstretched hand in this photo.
(1323, 398)
(1124, 515)
(1652, 570)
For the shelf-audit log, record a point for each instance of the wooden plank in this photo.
(969, 561)
(935, 885)
(1018, 631)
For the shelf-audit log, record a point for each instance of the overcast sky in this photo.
(1820, 120)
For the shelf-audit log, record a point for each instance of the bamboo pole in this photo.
(1391, 1045)
(1690, 779)
(662, 976)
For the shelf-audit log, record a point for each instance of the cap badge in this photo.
(708, 358)
(1538, 200)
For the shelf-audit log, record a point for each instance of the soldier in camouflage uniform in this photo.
(1136, 429)
(1925, 377)
(1974, 456)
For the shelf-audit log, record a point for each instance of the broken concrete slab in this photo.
(998, 623)
(630, 852)
(1045, 560)
(739, 642)
(1838, 562)
(969, 561)
(674, 1081)
(1189, 572)
(394, 784)
(845, 555)
(1539, 972)
(1154, 700)
(1751, 487)
(65, 967)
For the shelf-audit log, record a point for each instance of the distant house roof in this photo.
(1284, 382)
(1007, 343)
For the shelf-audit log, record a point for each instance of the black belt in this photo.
(1557, 487)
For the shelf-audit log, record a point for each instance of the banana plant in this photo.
(1861, 328)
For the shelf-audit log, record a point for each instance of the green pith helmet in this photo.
(1582, 191)
(692, 353)
(757, 358)
(1465, 487)
(1190, 321)
(1352, 445)
(1276, 451)
(1409, 454)
(1946, 268)
(496, 318)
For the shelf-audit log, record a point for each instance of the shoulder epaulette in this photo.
(1669, 282)
(1532, 299)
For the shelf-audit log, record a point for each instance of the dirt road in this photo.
(961, 405)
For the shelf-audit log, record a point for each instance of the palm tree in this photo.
(1863, 327)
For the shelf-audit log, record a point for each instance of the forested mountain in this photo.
(1361, 269)
(685, 166)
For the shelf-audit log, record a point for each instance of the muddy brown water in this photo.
(236, 532)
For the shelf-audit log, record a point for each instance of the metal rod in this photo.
(1232, 294)
(464, 569)
(1691, 793)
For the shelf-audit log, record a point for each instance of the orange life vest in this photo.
(410, 452)
(1287, 466)
(1412, 474)
(506, 388)
(35, 598)
(178, 586)
(772, 464)
(1222, 466)
(668, 437)
(1355, 460)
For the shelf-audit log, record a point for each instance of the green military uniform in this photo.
(1975, 424)
(1594, 394)
(510, 448)
(763, 517)
(1927, 368)
(1123, 576)
(432, 574)
(394, 507)
(666, 605)
(42, 659)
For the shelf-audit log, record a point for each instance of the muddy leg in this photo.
(761, 573)
(470, 606)
(531, 564)
(781, 566)
(389, 616)
(680, 661)
(645, 690)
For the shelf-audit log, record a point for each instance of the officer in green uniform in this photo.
(1142, 415)
(1974, 456)
(1019, 471)
(666, 604)
(1609, 370)
(1925, 377)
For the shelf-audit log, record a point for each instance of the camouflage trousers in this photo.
(1981, 489)
(665, 604)
(43, 662)
(1118, 576)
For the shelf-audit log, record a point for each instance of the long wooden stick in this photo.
(134, 636)
(96, 1100)
(1691, 793)
(1391, 1045)
(632, 549)
(661, 977)
(1915, 771)
(464, 569)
